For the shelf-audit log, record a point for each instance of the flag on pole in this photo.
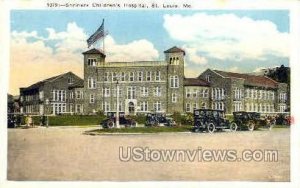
(97, 35)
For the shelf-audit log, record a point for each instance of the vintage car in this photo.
(11, 121)
(251, 120)
(110, 121)
(245, 120)
(209, 120)
(156, 119)
(283, 119)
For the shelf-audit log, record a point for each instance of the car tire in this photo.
(211, 128)
(251, 126)
(110, 124)
(233, 127)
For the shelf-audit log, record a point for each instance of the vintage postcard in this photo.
(126, 91)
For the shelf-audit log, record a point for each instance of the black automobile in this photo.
(209, 120)
(110, 121)
(155, 119)
(11, 121)
(245, 121)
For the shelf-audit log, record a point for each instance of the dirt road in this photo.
(67, 154)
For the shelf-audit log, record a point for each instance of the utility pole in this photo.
(117, 110)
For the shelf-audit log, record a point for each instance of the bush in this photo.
(139, 118)
(76, 119)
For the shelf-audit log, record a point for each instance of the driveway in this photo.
(65, 153)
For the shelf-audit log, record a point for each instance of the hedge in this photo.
(63, 120)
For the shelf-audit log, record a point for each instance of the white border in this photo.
(292, 5)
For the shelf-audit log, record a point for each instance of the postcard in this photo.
(152, 93)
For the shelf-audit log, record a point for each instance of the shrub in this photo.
(139, 118)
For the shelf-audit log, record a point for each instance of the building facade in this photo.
(149, 86)
(50, 96)
(245, 92)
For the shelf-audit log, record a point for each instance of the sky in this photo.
(48, 43)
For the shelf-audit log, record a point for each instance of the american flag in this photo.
(97, 35)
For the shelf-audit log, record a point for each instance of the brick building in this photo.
(51, 96)
(245, 92)
(148, 86)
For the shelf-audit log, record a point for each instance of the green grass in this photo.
(144, 130)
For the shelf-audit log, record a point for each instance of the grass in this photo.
(144, 130)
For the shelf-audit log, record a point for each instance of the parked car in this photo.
(245, 120)
(155, 119)
(251, 121)
(209, 120)
(110, 121)
(283, 119)
(11, 121)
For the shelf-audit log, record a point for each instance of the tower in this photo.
(175, 71)
(93, 58)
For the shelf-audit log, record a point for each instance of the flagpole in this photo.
(103, 38)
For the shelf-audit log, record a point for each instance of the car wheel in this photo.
(110, 124)
(233, 126)
(211, 128)
(251, 126)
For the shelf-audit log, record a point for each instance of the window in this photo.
(106, 106)
(157, 76)
(148, 77)
(194, 106)
(78, 108)
(174, 81)
(188, 107)
(106, 92)
(237, 93)
(41, 95)
(131, 76)
(79, 94)
(203, 105)
(237, 106)
(144, 106)
(114, 76)
(157, 106)
(70, 80)
(207, 77)
(174, 97)
(92, 62)
(195, 91)
(140, 76)
(114, 92)
(131, 93)
(188, 93)
(59, 95)
(92, 98)
(157, 91)
(91, 83)
(123, 76)
(144, 91)
(71, 95)
(57, 108)
(282, 97)
(106, 76)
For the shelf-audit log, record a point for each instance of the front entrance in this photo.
(130, 106)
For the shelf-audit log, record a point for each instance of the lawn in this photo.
(143, 130)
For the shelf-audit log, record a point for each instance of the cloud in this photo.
(137, 50)
(33, 57)
(227, 36)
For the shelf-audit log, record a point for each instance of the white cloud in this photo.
(138, 50)
(34, 60)
(227, 36)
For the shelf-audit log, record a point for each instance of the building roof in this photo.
(79, 84)
(175, 49)
(251, 80)
(94, 51)
(41, 83)
(195, 82)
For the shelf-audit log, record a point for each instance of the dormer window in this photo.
(70, 80)
(208, 78)
(92, 62)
